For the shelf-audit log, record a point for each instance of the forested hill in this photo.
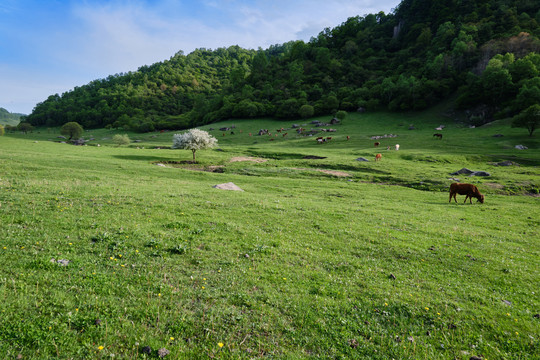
(485, 50)
(7, 118)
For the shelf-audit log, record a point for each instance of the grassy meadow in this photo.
(105, 254)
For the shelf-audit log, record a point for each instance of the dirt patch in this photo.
(190, 165)
(494, 186)
(329, 172)
(334, 172)
(247, 158)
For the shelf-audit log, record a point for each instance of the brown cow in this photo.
(378, 157)
(470, 190)
(376, 144)
(438, 136)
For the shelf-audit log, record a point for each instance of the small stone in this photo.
(147, 350)
(476, 358)
(392, 276)
(97, 322)
(163, 352)
(411, 338)
(536, 316)
(509, 303)
(353, 343)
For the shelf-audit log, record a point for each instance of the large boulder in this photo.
(462, 171)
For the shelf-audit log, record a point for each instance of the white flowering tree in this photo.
(194, 140)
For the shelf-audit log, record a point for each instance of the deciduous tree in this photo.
(194, 139)
(72, 129)
(528, 119)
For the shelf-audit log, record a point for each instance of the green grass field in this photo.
(326, 258)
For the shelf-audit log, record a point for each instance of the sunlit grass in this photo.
(302, 264)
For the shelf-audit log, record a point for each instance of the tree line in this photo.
(486, 51)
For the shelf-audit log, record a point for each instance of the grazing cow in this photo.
(319, 138)
(378, 157)
(348, 137)
(397, 146)
(438, 136)
(329, 138)
(285, 134)
(470, 190)
(320, 141)
(377, 144)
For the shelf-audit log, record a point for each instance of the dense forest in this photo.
(487, 52)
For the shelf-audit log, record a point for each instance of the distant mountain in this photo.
(485, 51)
(7, 118)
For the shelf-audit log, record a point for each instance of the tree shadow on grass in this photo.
(142, 158)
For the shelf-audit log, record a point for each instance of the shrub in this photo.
(342, 114)
(121, 139)
(306, 111)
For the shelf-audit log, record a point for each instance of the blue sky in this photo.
(51, 46)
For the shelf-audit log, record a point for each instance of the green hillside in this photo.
(484, 51)
(7, 118)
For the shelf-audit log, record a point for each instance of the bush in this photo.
(342, 114)
(306, 111)
(1, 130)
(121, 139)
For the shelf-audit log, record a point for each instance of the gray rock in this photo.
(480, 173)
(462, 171)
(163, 352)
(228, 186)
(362, 159)
(506, 163)
(61, 262)
(521, 147)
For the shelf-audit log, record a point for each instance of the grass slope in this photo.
(302, 264)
